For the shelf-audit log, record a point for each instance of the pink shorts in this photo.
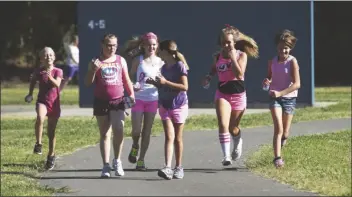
(178, 115)
(145, 106)
(238, 102)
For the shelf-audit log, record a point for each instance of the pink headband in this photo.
(149, 36)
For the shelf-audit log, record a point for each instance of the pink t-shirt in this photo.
(224, 68)
(48, 93)
(110, 79)
(281, 76)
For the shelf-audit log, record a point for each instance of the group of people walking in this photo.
(160, 83)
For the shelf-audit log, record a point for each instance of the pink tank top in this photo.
(281, 76)
(224, 68)
(48, 93)
(109, 80)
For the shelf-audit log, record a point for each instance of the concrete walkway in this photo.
(204, 174)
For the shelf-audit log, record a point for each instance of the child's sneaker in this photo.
(178, 173)
(141, 166)
(278, 162)
(37, 149)
(226, 161)
(132, 157)
(50, 162)
(118, 168)
(166, 173)
(105, 172)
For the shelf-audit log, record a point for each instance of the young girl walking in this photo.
(145, 64)
(173, 110)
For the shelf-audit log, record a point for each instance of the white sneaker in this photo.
(226, 161)
(105, 172)
(118, 168)
(237, 147)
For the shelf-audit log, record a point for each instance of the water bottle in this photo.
(128, 102)
(266, 87)
(206, 86)
(137, 86)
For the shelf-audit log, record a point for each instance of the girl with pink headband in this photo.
(145, 64)
(230, 98)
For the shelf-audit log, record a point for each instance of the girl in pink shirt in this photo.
(230, 98)
(109, 73)
(284, 81)
(48, 102)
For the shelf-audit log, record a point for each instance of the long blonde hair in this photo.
(171, 47)
(243, 42)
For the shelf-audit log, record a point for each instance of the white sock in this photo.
(225, 142)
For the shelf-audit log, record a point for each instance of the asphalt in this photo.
(204, 174)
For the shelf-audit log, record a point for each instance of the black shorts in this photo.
(103, 107)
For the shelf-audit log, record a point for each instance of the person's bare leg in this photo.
(276, 113)
(169, 141)
(178, 143)
(117, 119)
(50, 162)
(234, 129)
(286, 121)
(137, 118)
(223, 112)
(39, 123)
(52, 123)
(105, 137)
(146, 132)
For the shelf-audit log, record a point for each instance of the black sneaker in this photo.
(50, 162)
(37, 149)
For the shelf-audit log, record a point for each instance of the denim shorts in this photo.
(288, 105)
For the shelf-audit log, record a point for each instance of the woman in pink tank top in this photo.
(110, 74)
(284, 81)
(230, 98)
(48, 102)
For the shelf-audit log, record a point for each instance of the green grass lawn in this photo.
(17, 139)
(14, 94)
(320, 163)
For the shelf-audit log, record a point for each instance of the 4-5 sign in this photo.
(100, 24)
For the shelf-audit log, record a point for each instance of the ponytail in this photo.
(132, 48)
(247, 45)
(180, 57)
